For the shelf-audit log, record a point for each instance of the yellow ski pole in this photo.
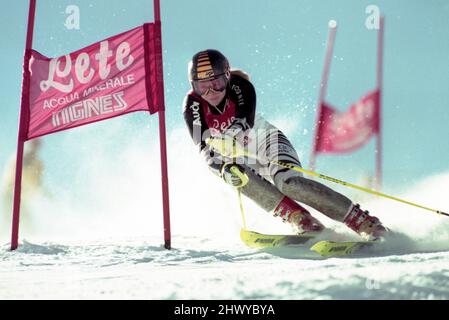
(244, 179)
(241, 209)
(347, 184)
(235, 150)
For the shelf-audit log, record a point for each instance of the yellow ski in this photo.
(338, 249)
(325, 248)
(259, 240)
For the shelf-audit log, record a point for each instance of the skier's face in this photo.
(213, 91)
(214, 97)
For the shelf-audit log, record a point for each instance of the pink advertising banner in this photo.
(340, 132)
(104, 80)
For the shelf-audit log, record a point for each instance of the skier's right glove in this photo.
(234, 175)
(226, 145)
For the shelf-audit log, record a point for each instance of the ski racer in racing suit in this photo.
(222, 103)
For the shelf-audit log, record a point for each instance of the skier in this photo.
(222, 103)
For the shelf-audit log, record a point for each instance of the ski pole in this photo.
(242, 211)
(347, 184)
(244, 178)
(235, 150)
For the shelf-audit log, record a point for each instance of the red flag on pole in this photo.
(358, 124)
(119, 75)
(340, 132)
(104, 80)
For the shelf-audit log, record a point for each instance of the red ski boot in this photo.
(365, 225)
(300, 219)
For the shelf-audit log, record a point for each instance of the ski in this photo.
(258, 240)
(328, 248)
(325, 248)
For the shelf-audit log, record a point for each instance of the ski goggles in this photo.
(217, 84)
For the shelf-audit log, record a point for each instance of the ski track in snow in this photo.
(204, 269)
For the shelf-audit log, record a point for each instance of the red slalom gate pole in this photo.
(380, 49)
(162, 129)
(23, 119)
(323, 87)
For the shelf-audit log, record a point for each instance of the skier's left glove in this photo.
(234, 175)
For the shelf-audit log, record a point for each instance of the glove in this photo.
(226, 145)
(234, 175)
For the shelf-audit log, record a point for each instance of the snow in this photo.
(199, 268)
(89, 245)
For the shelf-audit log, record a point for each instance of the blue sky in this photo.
(281, 44)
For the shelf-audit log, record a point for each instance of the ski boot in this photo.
(367, 226)
(298, 217)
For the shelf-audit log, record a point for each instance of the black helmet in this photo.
(208, 64)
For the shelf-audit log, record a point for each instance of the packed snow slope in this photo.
(97, 235)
